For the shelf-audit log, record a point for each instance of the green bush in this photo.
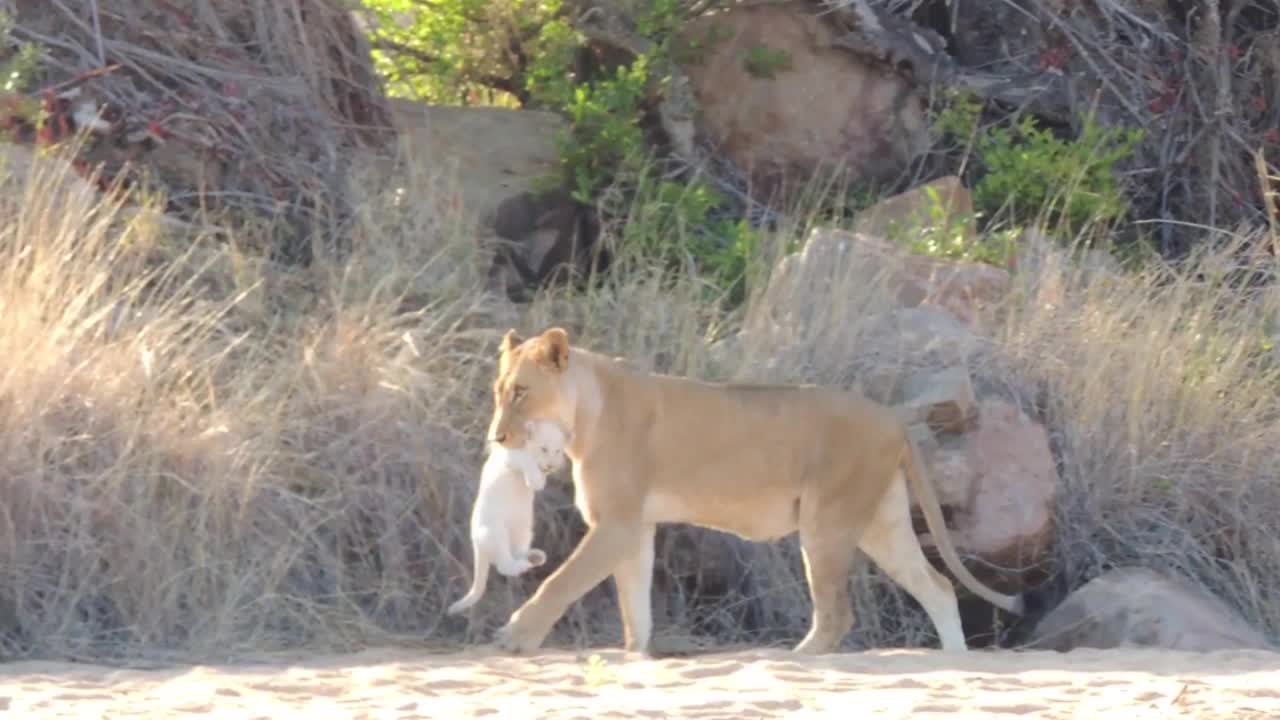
(1036, 177)
(465, 52)
(684, 224)
(527, 52)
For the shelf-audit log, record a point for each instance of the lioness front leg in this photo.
(595, 558)
(633, 579)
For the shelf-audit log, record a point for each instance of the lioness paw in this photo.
(512, 639)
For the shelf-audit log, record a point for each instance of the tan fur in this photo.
(759, 461)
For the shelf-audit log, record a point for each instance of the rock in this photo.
(944, 400)
(550, 232)
(939, 205)
(1139, 607)
(1007, 514)
(834, 264)
(490, 161)
(20, 165)
(944, 207)
(952, 476)
(927, 336)
(781, 101)
(964, 288)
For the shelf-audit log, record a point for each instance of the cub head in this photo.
(546, 441)
(530, 384)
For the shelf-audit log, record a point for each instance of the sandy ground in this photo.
(756, 684)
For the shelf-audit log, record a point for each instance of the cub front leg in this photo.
(595, 558)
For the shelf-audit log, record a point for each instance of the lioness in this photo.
(759, 461)
(502, 516)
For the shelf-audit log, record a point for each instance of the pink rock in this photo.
(1008, 516)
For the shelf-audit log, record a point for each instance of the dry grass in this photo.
(240, 106)
(1160, 389)
(202, 453)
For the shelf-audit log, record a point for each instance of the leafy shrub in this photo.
(1031, 173)
(463, 52)
(447, 51)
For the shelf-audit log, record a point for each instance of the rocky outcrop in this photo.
(781, 101)
(831, 260)
(996, 475)
(1139, 607)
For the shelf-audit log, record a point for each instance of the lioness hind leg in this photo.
(829, 547)
(891, 542)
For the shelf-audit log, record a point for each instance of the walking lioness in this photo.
(759, 461)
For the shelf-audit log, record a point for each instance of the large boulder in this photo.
(943, 400)
(835, 262)
(992, 465)
(782, 101)
(942, 206)
(905, 329)
(1139, 607)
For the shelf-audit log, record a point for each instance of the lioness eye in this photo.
(517, 394)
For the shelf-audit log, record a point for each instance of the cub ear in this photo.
(555, 343)
(509, 341)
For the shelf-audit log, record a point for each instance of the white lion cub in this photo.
(502, 518)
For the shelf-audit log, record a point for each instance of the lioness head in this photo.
(529, 384)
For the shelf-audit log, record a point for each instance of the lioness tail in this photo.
(928, 500)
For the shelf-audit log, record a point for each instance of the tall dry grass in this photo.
(202, 454)
(1160, 388)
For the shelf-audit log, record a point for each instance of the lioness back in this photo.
(738, 457)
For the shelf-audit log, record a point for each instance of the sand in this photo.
(395, 684)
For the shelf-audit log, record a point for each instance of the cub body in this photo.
(502, 516)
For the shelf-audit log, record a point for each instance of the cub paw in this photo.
(535, 557)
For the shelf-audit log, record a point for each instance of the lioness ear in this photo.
(510, 340)
(556, 347)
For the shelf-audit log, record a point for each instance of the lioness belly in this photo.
(759, 522)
